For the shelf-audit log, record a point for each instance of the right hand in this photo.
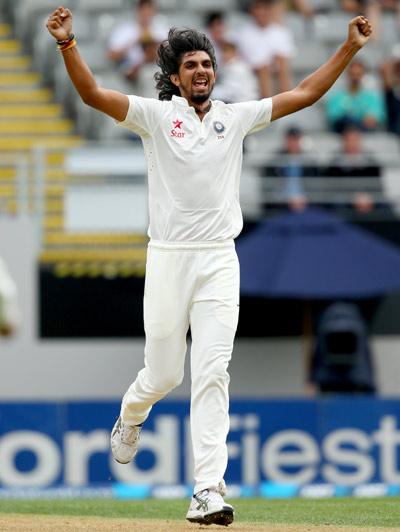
(59, 24)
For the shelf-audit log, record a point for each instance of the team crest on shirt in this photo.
(219, 128)
(176, 131)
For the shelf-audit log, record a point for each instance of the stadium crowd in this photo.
(259, 58)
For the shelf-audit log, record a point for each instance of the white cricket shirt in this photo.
(194, 166)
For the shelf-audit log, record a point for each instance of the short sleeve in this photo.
(144, 115)
(254, 115)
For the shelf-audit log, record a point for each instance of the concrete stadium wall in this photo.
(34, 369)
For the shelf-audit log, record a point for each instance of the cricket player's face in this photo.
(196, 77)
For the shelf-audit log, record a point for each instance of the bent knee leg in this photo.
(165, 381)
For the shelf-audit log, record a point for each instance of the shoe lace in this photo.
(202, 500)
(221, 488)
(204, 497)
(129, 434)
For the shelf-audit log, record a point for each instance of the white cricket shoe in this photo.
(124, 441)
(208, 507)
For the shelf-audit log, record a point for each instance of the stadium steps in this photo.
(29, 119)
(10, 46)
(26, 80)
(35, 126)
(23, 96)
(5, 30)
(14, 63)
(30, 110)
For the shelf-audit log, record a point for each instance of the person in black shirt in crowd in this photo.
(353, 161)
(292, 164)
(391, 85)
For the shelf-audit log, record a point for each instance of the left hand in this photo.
(360, 31)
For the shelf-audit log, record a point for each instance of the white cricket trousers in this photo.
(196, 285)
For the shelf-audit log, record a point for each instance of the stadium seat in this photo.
(332, 28)
(210, 5)
(310, 55)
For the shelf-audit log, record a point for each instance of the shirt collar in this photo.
(180, 100)
(183, 101)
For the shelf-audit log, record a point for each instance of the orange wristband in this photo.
(67, 46)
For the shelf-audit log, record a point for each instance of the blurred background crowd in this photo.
(319, 251)
(341, 155)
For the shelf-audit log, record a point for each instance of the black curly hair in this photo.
(170, 52)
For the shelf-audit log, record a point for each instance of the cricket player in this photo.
(193, 147)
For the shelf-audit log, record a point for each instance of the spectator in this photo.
(291, 165)
(304, 7)
(216, 31)
(355, 103)
(372, 9)
(142, 74)
(124, 48)
(391, 85)
(267, 45)
(353, 161)
(8, 302)
(236, 81)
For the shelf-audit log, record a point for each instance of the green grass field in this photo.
(340, 512)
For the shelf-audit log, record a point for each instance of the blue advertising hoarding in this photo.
(343, 441)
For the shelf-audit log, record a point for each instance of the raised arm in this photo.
(113, 103)
(319, 82)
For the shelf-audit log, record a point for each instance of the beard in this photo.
(201, 98)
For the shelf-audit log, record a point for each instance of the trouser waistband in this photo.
(219, 244)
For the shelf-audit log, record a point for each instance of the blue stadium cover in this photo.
(314, 255)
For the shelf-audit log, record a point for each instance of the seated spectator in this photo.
(268, 45)
(355, 103)
(391, 86)
(354, 7)
(124, 47)
(372, 9)
(142, 74)
(304, 7)
(353, 161)
(216, 31)
(292, 164)
(236, 82)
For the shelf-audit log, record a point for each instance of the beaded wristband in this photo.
(66, 41)
(67, 46)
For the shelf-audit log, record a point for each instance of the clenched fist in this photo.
(59, 24)
(359, 31)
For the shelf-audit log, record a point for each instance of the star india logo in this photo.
(176, 131)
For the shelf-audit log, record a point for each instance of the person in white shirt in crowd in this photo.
(236, 80)
(125, 43)
(268, 46)
(142, 74)
(9, 313)
(194, 151)
(216, 30)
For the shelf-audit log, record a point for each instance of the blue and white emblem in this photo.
(219, 127)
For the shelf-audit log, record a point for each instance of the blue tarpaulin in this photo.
(314, 255)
